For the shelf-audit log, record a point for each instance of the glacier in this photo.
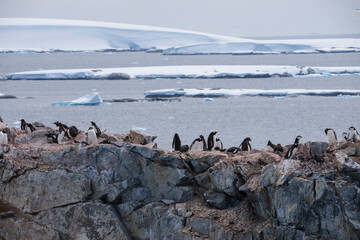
(52, 35)
(190, 71)
(220, 92)
(92, 99)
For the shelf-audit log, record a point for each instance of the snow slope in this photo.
(200, 71)
(21, 34)
(211, 92)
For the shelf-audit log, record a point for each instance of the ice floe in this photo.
(219, 92)
(92, 99)
(24, 35)
(6, 96)
(176, 72)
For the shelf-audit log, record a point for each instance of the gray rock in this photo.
(127, 208)
(140, 137)
(163, 182)
(224, 179)
(17, 228)
(37, 191)
(92, 221)
(203, 226)
(269, 175)
(220, 200)
(317, 148)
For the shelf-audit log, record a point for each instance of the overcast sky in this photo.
(228, 17)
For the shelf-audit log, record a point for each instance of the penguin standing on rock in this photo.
(72, 132)
(331, 135)
(56, 137)
(211, 140)
(198, 144)
(3, 138)
(245, 145)
(97, 129)
(176, 143)
(345, 136)
(276, 148)
(218, 145)
(91, 136)
(28, 127)
(353, 135)
(293, 149)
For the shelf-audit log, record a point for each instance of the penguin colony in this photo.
(213, 143)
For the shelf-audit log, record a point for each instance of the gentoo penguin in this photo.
(28, 127)
(91, 136)
(276, 148)
(73, 132)
(292, 151)
(353, 135)
(245, 145)
(233, 150)
(198, 144)
(331, 135)
(184, 148)
(218, 145)
(56, 137)
(176, 144)
(345, 136)
(97, 129)
(211, 140)
(61, 125)
(297, 139)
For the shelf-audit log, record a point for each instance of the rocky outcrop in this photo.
(136, 191)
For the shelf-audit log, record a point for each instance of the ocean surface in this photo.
(260, 118)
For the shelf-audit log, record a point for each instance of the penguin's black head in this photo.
(326, 130)
(92, 122)
(299, 137)
(56, 123)
(201, 137)
(269, 143)
(247, 139)
(352, 128)
(22, 120)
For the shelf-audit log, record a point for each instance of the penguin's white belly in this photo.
(293, 153)
(60, 137)
(5, 140)
(2, 138)
(331, 137)
(91, 137)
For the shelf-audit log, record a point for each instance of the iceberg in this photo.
(6, 96)
(92, 99)
(219, 92)
(176, 72)
(56, 35)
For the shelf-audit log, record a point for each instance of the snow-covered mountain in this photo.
(22, 34)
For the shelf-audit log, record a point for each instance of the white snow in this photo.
(92, 99)
(28, 34)
(209, 92)
(198, 71)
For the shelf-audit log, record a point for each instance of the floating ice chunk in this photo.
(134, 63)
(279, 98)
(92, 99)
(135, 128)
(208, 99)
(171, 118)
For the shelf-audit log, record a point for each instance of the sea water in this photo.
(260, 118)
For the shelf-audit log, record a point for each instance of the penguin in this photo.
(59, 124)
(23, 125)
(211, 140)
(73, 132)
(276, 148)
(176, 144)
(297, 139)
(218, 145)
(184, 148)
(233, 150)
(245, 145)
(56, 137)
(198, 144)
(353, 135)
(292, 151)
(345, 136)
(97, 129)
(91, 136)
(331, 135)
